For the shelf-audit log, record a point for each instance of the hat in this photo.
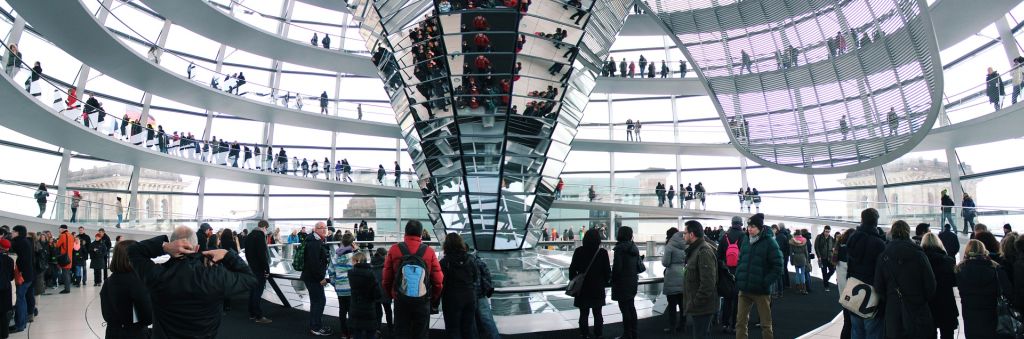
(737, 221)
(205, 226)
(77, 194)
(5, 245)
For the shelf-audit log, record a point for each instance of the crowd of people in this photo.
(646, 69)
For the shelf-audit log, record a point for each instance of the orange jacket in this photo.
(66, 246)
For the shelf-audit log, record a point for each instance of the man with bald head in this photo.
(188, 290)
(314, 276)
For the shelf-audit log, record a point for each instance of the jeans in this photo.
(701, 326)
(25, 305)
(764, 310)
(826, 273)
(414, 319)
(674, 311)
(861, 328)
(598, 321)
(485, 319)
(799, 275)
(42, 209)
(82, 274)
(317, 301)
(74, 214)
(459, 314)
(629, 318)
(968, 224)
(807, 279)
(947, 216)
(120, 218)
(1016, 93)
(344, 305)
(256, 296)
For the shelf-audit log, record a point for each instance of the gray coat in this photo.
(674, 259)
(798, 252)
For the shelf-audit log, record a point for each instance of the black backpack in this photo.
(460, 273)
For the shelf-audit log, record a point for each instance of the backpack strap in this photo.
(403, 247)
(421, 251)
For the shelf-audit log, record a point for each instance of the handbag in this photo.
(1008, 320)
(859, 298)
(575, 286)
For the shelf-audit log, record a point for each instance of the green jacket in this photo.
(760, 264)
(700, 292)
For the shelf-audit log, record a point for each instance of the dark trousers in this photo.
(674, 311)
(4, 319)
(384, 310)
(785, 268)
(460, 315)
(344, 305)
(944, 333)
(256, 296)
(98, 274)
(414, 319)
(826, 273)
(845, 333)
(701, 326)
(317, 301)
(363, 334)
(65, 274)
(629, 318)
(729, 306)
(585, 318)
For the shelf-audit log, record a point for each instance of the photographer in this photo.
(188, 290)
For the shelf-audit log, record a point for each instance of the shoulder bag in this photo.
(859, 297)
(575, 286)
(1008, 320)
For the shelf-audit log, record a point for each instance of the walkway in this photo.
(202, 18)
(1001, 125)
(97, 47)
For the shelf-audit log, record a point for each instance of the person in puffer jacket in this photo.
(798, 256)
(674, 260)
(339, 277)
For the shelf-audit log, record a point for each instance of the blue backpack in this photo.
(412, 279)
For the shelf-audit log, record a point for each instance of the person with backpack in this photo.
(339, 278)
(700, 286)
(759, 266)
(590, 261)
(459, 296)
(484, 288)
(729, 254)
(627, 264)
(314, 261)
(365, 287)
(412, 277)
(41, 195)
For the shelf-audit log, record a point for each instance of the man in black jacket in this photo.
(949, 240)
(259, 261)
(863, 248)
(188, 291)
(26, 303)
(314, 272)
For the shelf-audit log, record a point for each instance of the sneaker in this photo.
(323, 332)
(262, 320)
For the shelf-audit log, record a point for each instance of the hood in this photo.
(798, 240)
(343, 250)
(678, 241)
(627, 247)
